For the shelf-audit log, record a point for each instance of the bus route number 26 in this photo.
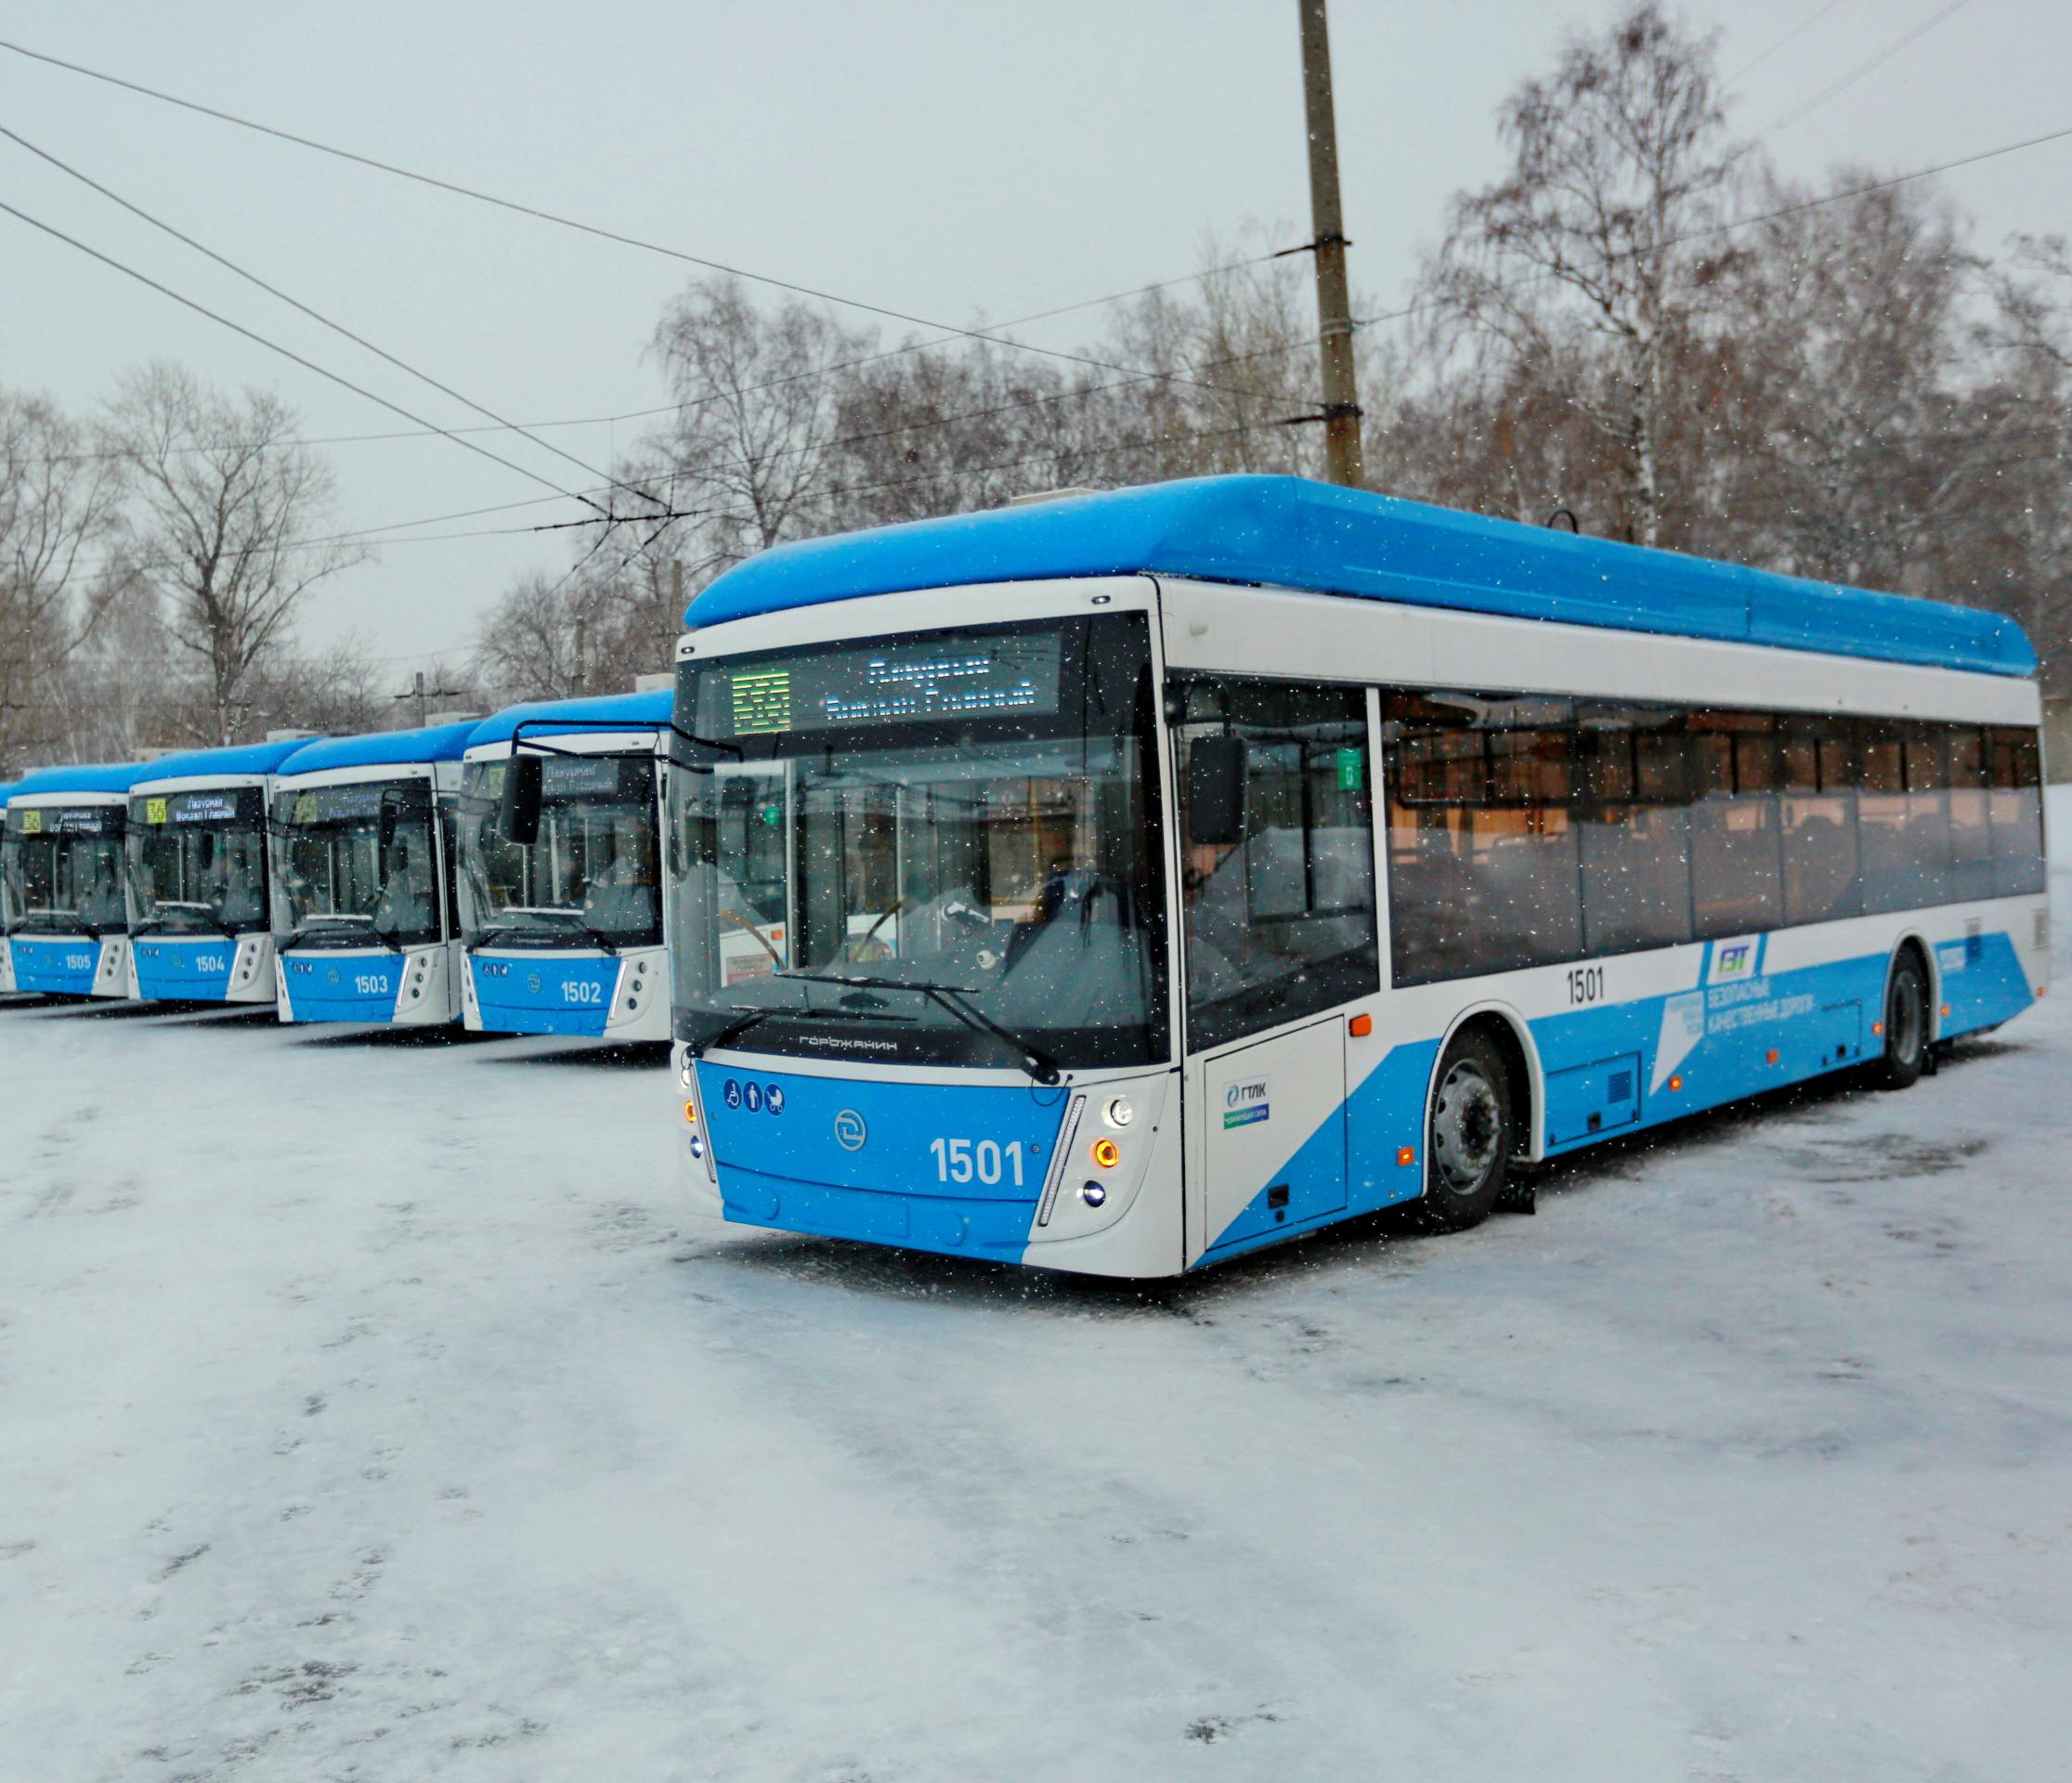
(1586, 985)
(961, 1160)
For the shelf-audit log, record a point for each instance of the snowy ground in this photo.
(374, 1409)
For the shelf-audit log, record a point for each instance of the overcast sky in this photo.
(950, 160)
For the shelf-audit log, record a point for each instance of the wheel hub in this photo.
(1467, 1122)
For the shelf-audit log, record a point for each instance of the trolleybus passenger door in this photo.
(1279, 937)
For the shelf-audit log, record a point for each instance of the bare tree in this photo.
(1579, 269)
(60, 501)
(755, 412)
(230, 524)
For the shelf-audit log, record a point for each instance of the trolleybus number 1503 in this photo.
(960, 1160)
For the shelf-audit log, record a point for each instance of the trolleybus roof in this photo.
(1287, 532)
(90, 776)
(600, 712)
(381, 749)
(235, 760)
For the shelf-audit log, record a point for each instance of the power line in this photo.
(274, 346)
(295, 303)
(1856, 75)
(1791, 36)
(948, 329)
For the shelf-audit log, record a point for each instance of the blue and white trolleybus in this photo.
(365, 922)
(201, 917)
(564, 923)
(1149, 877)
(62, 856)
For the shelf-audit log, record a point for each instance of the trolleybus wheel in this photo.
(1906, 1022)
(1468, 1135)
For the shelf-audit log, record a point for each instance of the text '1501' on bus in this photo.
(560, 846)
(1125, 882)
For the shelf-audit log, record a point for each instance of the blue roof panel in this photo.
(381, 749)
(1285, 531)
(600, 712)
(90, 776)
(237, 759)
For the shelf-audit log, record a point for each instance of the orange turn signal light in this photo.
(1406, 1154)
(1360, 1026)
(1107, 1154)
(690, 1112)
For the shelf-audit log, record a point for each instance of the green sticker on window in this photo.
(1352, 770)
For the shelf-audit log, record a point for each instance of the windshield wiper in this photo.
(1032, 1059)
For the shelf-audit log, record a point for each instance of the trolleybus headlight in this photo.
(697, 1146)
(1092, 1194)
(1107, 1154)
(683, 1071)
(1118, 1113)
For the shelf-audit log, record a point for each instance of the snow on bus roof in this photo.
(1288, 532)
(381, 749)
(599, 712)
(235, 760)
(88, 776)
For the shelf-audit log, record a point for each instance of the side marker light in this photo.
(1877, 1027)
(1406, 1154)
(1946, 1011)
(1107, 1154)
(1769, 1057)
(1360, 1026)
(1676, 1082)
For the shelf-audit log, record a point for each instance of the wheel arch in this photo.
(1513, 1035)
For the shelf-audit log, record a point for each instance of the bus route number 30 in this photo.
(984, 1160)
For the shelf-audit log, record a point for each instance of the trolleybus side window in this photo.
(1735, 865)
(2015, 772)
(1281, 919)
(1633, 828)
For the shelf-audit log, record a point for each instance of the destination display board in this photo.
(218, 805)
(65, 820)
(357, 801)
(937, 682)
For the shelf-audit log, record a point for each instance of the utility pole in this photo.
(1343, 455)
(582, 627)
(420, 692)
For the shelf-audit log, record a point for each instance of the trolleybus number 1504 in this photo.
(960, 1160)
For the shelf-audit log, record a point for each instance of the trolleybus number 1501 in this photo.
(1586, 985)
(960, 1160)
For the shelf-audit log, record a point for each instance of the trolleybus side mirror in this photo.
(519, 809)
(1215, 790)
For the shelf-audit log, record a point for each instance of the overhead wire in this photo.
(1856, 75)
(1791, 36)
(275, 346)
(295, 303)
(948, 329)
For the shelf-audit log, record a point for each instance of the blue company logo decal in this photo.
(1731, 960)
(1246, 1101)
(534, 982)
(850, 1131)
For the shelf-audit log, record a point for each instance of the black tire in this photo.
(1906, 1049)
(1469, 1134)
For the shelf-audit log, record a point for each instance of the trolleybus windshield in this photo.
(590, 879)
(198, 861)
(340, 884)
(912, 848)
(64, 869)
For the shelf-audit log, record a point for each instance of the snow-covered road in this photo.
(374, 1409)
